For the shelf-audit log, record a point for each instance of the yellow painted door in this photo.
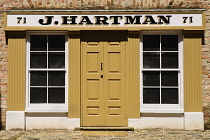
(103, 79)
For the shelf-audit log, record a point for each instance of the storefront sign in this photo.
(105, 20)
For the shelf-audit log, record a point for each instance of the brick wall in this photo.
(105, 5)
(206, 72)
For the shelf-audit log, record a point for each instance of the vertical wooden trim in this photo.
(16, 72)
(5, 21)
(132, 75)
(74, 75)
(204, 20)
(192, 72)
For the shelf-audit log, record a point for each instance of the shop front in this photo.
(113, 68)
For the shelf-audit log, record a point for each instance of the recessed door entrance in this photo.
(103, 78)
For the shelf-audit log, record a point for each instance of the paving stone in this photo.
(145, 134)
(7, 135)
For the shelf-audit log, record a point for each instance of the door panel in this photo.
(114, 59)
(93, 89)
(92, 62)
(103, 79)
(92, 84)
(114, 81)
(114, 89)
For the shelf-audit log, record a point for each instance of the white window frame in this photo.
(43, 107)
(163, 108)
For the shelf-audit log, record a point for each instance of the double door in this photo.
(103, 78)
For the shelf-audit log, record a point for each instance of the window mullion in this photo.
(29, 74)
(47, 70)
(179, 80)
(47, 50)
(160, 68)
(29, 90)
(47, 87)
(160, 87)
(47, 67)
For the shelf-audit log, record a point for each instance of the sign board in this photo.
(74, 21)
(105, 20)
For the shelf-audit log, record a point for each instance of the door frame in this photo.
(81, 63)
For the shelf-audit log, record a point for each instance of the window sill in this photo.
(46, 110)
(162, 110)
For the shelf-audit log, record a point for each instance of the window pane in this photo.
(169, 96)
(56, 78)
(169, 78)
(56, 43)
(151, 95)
(38, 95)
(38, 60)
(151, 78)
(56, 95)
(151, 43)
(38, 42)
(38, 78)
(56, 60)
(151, 60)
(169, 60)
(169, 42)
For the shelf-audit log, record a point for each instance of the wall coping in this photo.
(129, 10)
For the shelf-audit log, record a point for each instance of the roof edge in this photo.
(127, 10)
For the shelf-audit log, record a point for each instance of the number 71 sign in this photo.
(108, 20)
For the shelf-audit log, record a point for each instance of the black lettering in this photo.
(191, 19)
(19, 19)
(184, 19)
(130, 20)
(48, 20)
(85, 19)
(100, 21)
(71, 19)
(149, 20)
(116, 18)
(24, 20)
(164, 19)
